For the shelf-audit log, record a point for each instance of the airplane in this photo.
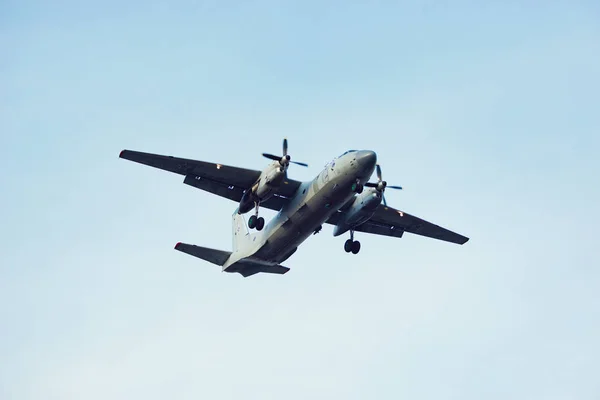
(340, 195)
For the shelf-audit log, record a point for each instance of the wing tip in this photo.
(178, 245)
(122, 153)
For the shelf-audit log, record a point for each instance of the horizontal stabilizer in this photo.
(245, 267)
(217, 257)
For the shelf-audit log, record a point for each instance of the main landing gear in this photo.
(255, 221)
(351, 245)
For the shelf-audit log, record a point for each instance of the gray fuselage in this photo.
(313, 204)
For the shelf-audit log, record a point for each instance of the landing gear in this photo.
(357, 187)
(255, 221)
(348, 246)
(352, 245)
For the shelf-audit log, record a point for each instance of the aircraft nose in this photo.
(366, 159)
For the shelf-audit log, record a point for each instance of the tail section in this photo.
(241, 260)
(218, 257)
(249, 266)
(240, 233)
(245, 267)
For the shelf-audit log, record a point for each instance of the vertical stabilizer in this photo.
(240, 231)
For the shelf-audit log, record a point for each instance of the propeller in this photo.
(284, 160)
(381, 185)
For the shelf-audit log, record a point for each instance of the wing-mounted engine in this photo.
(364, 205)
(266, 185)
(360, 211)
(269, 180)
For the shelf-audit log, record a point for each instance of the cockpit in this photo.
(349, 151)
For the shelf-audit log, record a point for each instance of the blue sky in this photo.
(487, 114)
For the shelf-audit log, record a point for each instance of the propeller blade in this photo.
(379, 172)
(383, 198)
(394, 187)
(271, 156)
(285, 159)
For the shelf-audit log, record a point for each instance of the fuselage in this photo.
(313, 204)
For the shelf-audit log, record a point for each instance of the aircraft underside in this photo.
(339, 195)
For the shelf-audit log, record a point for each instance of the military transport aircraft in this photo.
(340, 195)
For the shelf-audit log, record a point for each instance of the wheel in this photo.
(252, 221)
(355, 247)
(348, 246)
(260, 223)
(359, 189)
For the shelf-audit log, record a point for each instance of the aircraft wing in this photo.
(388, 221)
(223, 180)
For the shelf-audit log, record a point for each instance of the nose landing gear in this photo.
(357, 187)
(352, 245)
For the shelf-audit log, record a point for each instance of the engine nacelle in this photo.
(270, 180)
(246, 202)
(360, 211)
(363, 207)
(263, 189)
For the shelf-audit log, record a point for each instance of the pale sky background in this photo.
(487, 113)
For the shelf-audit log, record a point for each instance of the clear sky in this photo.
(486, 112)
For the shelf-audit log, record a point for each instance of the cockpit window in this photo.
(349, 151)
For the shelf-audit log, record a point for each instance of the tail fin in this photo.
(239, 232)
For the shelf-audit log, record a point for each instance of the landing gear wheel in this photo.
(355, 247)
(348, 246)
(260, 223)
(357, 187)
(252, 221)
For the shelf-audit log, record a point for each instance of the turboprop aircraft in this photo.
(339, 195)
